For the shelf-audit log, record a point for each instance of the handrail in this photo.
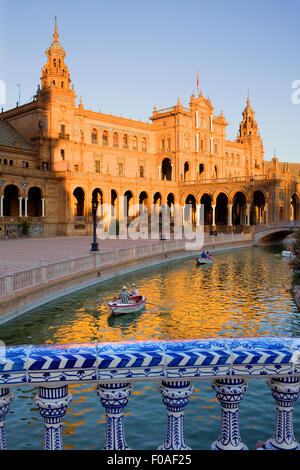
(114, 367)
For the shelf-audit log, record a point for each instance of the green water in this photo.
(245, 293)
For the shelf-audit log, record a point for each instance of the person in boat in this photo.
(208, 255)
(124, 296)
(203, 256)
(134, 292)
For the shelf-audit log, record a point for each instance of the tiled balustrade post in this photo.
(6, 396)
(114, 398)
(285, 391)
(230, 393)
(53, 403)
(176, 397)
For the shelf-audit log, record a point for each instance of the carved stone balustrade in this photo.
(174, 365)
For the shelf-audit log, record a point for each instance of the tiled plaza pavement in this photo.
(21, 254)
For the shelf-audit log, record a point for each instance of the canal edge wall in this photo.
(34, 297)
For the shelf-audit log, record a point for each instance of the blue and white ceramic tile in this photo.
(130, 361)
(82, 356)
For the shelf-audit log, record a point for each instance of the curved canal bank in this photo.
(35, 287)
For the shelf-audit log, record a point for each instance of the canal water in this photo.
(245, 293)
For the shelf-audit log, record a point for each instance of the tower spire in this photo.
(55, 35)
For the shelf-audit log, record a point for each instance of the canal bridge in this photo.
(267, 233)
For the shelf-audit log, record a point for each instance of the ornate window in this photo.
(134, 143)
(125, 141)
(121, 169)
(116, 140)
(144, 144)
(105, 138)
(97, 166)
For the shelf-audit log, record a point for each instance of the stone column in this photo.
(199, 215)
(229, 215)
(267, 213)
(20, 207)
(1, 206)
(176, 397)
(248, 214)
(230, 393)
(6, 396)
(26, 207)
(53, 404)
(43, 207)
(285, 392)
(214, 215)
(114, 398)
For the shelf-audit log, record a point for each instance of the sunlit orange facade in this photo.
(181, 157)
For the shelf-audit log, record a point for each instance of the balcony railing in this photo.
(225, 180)
(174, 365)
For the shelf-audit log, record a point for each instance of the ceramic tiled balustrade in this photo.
(174, 365)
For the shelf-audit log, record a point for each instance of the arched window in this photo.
(94, 136)
(202, 146)
(5, 161)
(186, 170)
(144, 144)
(54, 63)
(166, 170)
(79, 197)
(201, 169)
(116, 140)
(11, 162)
(125, 141)
(105, 138)
(34, 202)
(134, 143)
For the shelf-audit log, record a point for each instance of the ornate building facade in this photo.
(54, 156)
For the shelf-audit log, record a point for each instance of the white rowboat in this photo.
(287, 254)
(135, 305)
(203, 261)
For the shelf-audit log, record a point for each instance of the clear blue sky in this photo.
(127, 56)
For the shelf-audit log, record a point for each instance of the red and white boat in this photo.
(136, 305)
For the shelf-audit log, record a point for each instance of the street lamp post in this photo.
(95, 245)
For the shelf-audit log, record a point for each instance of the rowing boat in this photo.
(203, 261)
(287, 254)
(135, 304)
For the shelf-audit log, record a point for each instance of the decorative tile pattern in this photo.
(130, 361)
(120, 361)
